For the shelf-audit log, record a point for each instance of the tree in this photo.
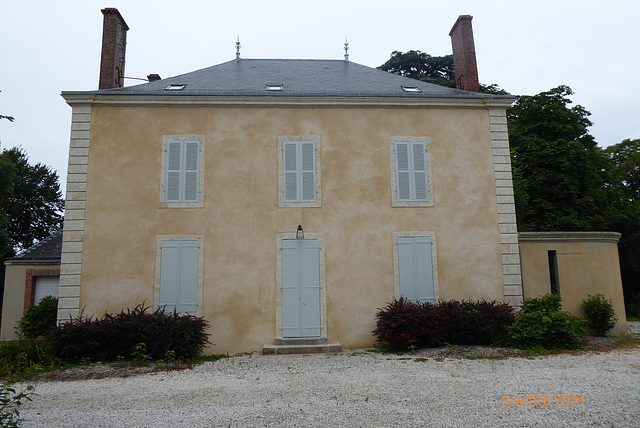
(559, 172)
(625, 168)
(623, 188)
(31, 202)
(433, 69)
(422, 66)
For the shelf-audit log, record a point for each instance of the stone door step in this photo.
(325, 348)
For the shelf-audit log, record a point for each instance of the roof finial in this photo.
(346, 49)
(238, 47)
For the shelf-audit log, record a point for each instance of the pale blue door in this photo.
(301, 288)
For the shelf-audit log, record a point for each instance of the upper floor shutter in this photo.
(183, 165)
(299, 175)
(411, 171)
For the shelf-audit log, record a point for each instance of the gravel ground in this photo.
(355, 389)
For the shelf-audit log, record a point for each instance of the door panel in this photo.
(301, 288)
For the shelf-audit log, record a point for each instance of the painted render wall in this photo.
(588, 263)
(241, 217)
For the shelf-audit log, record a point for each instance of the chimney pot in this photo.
(464, 54)
(114, 41)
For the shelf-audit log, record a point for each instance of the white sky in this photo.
(526, 47)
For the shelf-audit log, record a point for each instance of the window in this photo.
(553, 271)
(182, 171)
(180, 274)
(299, 172)
(45, 286)
(175, 87)
(411, 172)
(411, 89)
(275, 87)
(415, 266)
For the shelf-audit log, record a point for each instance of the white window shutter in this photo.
(174, 155)
(415, 268)
(420, 172)
(169, 275)
(179, 276)
(308, 171)
(191, 164)
(403, 175)
(290, 162)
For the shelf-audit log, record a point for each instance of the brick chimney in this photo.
(464, 54)
(114, 41)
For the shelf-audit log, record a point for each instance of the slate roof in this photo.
(48, 249)
(298, 77)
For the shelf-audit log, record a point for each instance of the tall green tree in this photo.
(433, 69)
(31, 202)
(559, 172)
(422, 66)
(623, 187)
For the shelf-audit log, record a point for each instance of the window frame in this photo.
(434, 260)
(281, 172)
(166, 139)
(426, 142)
(200, 275)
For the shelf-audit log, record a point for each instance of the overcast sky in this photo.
(525, 47)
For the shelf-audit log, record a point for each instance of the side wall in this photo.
(18, 293)
(109, 250)
(587, 263)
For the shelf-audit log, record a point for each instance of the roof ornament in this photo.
(238, 47)
(346, 49)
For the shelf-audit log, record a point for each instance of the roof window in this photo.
(275, 87)
(411, 89)
(175, 87)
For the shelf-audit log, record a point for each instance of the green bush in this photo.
(599, 313)
(10, 401)
(547, 303)
(39, 319)
(25, 355)
(115, 336)
(541, 324)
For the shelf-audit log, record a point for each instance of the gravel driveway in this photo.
(356, 389)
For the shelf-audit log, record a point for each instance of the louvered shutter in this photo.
(420, 172)
(179, 276)
(191, 163)
(411, 172)
(308, 171)
(415, 269)
(290, 161)
(174, 156)
(403, 175)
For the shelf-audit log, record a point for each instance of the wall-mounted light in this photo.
(299, 232)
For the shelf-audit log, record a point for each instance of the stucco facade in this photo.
(585, 263)
(110, 249)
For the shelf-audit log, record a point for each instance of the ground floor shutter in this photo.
(179, 276)
(415, 268)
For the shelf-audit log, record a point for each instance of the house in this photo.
(29, 276)
(286, 200)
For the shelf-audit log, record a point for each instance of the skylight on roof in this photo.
(175, 87)
(275, 87)
(411, 89)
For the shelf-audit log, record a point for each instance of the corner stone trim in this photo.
(73, 231)
(509, 248)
